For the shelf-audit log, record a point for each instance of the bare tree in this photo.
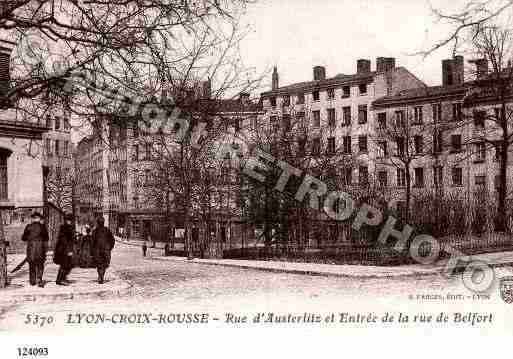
(463, 20)
(411, 138)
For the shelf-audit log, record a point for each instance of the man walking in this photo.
(63, 253)
(36, 236)
(103, 243)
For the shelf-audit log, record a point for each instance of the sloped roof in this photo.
(421, 94)
(338, 80)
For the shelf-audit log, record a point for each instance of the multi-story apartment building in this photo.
(58, 162)
(91, 178)
(338, 108)
(116, 162)
(453, 133)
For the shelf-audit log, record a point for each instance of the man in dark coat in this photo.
(36, 236)
(102, 244)
(63, 253)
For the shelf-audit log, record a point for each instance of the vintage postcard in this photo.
(203, 177)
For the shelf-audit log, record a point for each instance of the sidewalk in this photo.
(355, 271)
(84, 284)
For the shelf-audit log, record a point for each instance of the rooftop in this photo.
(338, 80)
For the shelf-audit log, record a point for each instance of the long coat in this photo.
(102, 245)
(64, 245)
(36, 236)
(86, 257)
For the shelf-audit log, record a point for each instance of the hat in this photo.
(36, 215)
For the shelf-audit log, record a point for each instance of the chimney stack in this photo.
(385, 64)
(5, 60)
(452, 71)
(363, 66)
(275, 82)
(481, 67)
(207, 89)
(319, 73)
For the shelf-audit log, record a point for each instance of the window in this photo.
(331, 117)
(300, 115)
(135, 153)
(382, 149)
(4, 155)
(57, 147)
(456, 111)
(66, 125)
(301, 98)
(457, 176)
(497, 183)
(480, 152)
(382, 120)
(236, 124)
(362, 89)
(147, 150)
(65, 145)
(400, 146)
(273, 121)
(419, 177)
(333, 229)
(480, 181)
(286, 122)
(383, 179)
(347, 144)
(316, 146)
(48, 147)
(48, 122)
(437, 142)
(438, 176)
(316, 118)
(401, 177)
(346, 91)
(301, 144)
(498, 113)
(346, 114)
(331, 145)
(456, 143)
(417, 115)
(272, 101)
(362, 143)
(479, 119)
(348, 176)
(363, 175)
(437, 112)
(419, 144)
(331, 94)
(286, 100)
(315, 95)
(57, 123)
(362, 114)
(399, 119)
(135, 129)
(497, 157)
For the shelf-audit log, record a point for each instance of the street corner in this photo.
(83, 284)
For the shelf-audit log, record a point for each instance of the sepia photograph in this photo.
(255, 177)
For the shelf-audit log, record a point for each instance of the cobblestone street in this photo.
(175, 286)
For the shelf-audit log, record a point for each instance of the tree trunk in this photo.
(501, 206)
(3, 254)
(408, 193)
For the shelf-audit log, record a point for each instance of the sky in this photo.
(296, 35)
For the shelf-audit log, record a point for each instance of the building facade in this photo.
(338, 109)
